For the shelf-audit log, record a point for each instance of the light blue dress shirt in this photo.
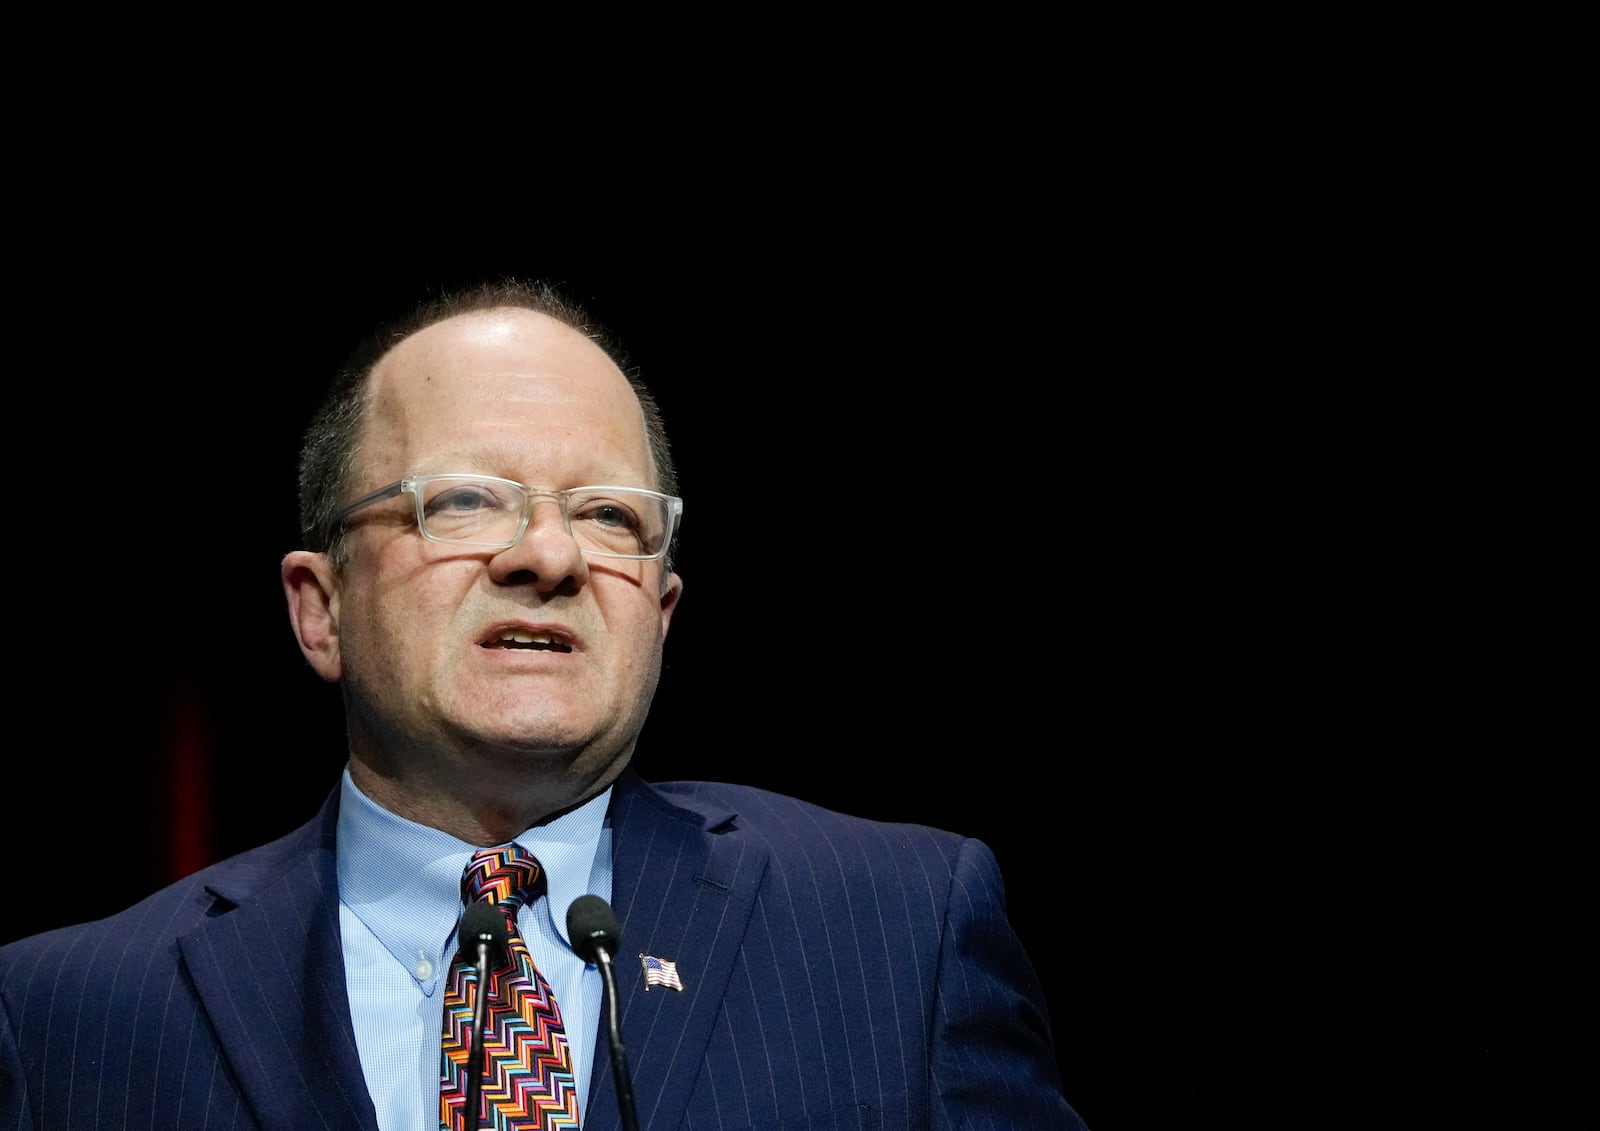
(399, 901)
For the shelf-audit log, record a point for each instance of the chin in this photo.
(535, 736)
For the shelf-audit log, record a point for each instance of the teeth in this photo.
(521, 636)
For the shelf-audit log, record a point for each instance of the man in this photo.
(490, 505)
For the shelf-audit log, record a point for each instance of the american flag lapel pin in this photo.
(660, 972)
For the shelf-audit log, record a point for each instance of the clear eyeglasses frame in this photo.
(482, 510)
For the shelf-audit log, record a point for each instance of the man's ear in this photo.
(311, 587)
(671, 591)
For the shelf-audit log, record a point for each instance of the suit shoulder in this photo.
(775, 816)
(161, 916)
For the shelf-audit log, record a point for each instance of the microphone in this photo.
(595, 933)
(592, 926)
(483, 934)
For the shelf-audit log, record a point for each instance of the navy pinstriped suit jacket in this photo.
(837, 973)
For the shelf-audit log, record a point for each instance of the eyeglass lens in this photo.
(606, 521)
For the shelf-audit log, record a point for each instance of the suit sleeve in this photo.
(994, 1060)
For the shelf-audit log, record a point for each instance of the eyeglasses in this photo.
(480, 510)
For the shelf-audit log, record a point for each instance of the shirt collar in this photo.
(403, 879)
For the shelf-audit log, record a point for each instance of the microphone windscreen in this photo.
(482, 920)
(592, 926)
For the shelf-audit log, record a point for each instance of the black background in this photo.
(1082, 353)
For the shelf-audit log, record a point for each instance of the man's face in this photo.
(426, 647)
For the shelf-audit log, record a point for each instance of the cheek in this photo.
(395, 616)
(634, 613)
(641, 659)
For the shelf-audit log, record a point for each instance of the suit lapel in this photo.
(683, 894)
(270, 977)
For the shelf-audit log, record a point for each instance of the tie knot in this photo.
(508, 874)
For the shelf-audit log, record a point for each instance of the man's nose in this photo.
(546, 549)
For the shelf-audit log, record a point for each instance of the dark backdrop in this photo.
(1081, 354)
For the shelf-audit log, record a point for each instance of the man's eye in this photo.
(463, 500)
(612, 516)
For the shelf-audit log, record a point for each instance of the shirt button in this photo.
(423, 969)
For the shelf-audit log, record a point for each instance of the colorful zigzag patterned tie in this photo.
(528, 1082)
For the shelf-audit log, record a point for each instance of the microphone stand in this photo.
(619, 1055)
(470, 1116)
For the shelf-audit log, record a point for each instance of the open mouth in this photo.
(517, 638)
